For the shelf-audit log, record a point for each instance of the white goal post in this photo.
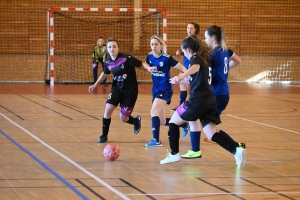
(51, 29)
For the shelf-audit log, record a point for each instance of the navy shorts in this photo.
(206, 110)
(164, 96)
(222, 102)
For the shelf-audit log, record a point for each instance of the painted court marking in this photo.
(68, 159)
(262, 124)
(124, 196)
(45, 166)
(212, 193)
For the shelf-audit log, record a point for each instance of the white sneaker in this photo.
(240, 157)
(170, 158)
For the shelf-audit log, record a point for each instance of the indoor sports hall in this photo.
(50, 123)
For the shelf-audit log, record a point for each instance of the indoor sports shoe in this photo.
(243, 145)
(185, 130)
(102, 139)
(240, 157)
(153, 143)
(137, 126)
(170, 158)
(192, 154)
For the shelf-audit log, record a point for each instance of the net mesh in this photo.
(263, 33)
(76, 33)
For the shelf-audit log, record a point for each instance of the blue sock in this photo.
(195, 140)
(155, 127)
(182, 97)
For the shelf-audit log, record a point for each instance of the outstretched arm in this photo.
(180, 67)
(192, 70)
(100, 79)
(183, 77)
(148, 67)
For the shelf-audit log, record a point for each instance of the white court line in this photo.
(213, 193)
(262, 124)
(293, 85)
(68, 159)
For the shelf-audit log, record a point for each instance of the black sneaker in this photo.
(102, 139)
(137, 126)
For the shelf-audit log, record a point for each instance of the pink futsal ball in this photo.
(111, 152)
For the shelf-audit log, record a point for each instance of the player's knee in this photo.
(123, 119)
(204, 122)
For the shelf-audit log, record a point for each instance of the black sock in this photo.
(105, 125)
(229, 138)
(167, 121)
(174, 138)
(132, 120)
(224, 142)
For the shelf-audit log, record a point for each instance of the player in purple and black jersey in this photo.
(201, 104)
(124, 90)
(192, 28)
(222, 59)
(160, 64)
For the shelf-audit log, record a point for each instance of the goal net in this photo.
(74, 31)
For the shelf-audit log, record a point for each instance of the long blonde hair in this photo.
(160, 40)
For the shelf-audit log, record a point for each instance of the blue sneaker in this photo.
(185, 130)
(137, 126)
(153, 143)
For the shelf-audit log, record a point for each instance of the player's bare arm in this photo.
(148, 67)
(100, 79)
(180, 67)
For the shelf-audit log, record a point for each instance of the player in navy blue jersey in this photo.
(201, 104)
(160, 64)
(192, 28)
(222, 59)
(124, 90)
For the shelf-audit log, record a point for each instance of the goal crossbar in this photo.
(51, 28)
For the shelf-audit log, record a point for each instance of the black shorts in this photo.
(124, 98)
(206, 110)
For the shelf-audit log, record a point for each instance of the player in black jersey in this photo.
(124, 90)
(201, 104)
